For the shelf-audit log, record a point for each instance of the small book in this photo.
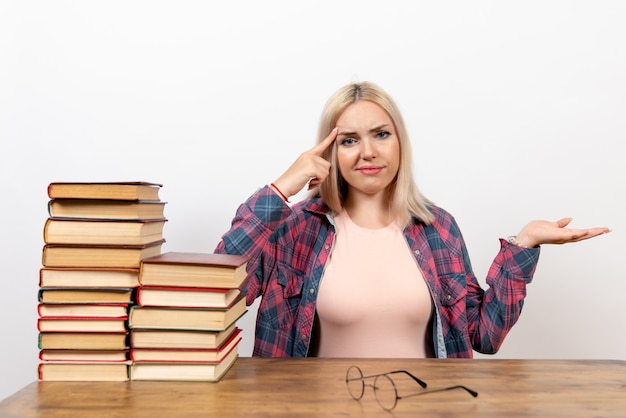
(89, 277)
(83, 340)
(106, 209)
(83, 310)
(167, 338)
(200, 319)
(83, 372)
(205, 371)
(131, 190)
(194, 270)
(102, 231)
(81, 324)
(194, 355)
(84, 295)
(76, 255)
(92, 356)
(186, 297)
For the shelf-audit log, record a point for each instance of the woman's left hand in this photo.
(546, 232)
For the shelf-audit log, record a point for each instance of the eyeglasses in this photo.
(385, 389)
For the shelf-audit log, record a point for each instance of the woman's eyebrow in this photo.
(346, 133)
(379, 127)
(375, 129)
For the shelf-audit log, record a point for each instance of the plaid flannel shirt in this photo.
(288, 249)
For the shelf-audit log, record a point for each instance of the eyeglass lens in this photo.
(355, 382)
(385, 392)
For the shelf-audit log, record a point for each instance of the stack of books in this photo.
(183, 326)
(95, 238)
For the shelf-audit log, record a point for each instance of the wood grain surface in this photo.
(316, 387)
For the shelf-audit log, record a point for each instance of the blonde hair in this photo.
(405, 200)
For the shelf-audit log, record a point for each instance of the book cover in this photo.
(91, 356)
(106, 209)
(97, 324)
(185, 269)
(208, 372)
(85, 295)
(168, 338)
(186, 297)
(89, 277)
(83, 372)
(77, 255)
(83, 340)
(208, 319)
(83, 310)
(102, 231)
(123, 190)
(192, 355)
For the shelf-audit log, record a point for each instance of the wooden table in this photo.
(316, 387)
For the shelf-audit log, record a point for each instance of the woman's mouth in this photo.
(370, 170)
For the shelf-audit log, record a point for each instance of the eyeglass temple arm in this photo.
(418, 380)
(468, 390)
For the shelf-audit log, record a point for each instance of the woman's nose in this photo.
(367, 149)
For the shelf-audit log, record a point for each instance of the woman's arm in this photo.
(249, 234)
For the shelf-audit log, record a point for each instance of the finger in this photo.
(562, 223)
(594, 232)
(319, 148)
(313, 183)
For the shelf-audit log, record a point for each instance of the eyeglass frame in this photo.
(423, 384)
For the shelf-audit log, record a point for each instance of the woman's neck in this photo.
(369, 211)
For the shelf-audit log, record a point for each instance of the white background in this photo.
(516, 111)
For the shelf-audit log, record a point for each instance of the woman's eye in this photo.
(382, 134)
(348, 141)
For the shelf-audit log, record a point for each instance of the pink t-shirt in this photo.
(373, 300)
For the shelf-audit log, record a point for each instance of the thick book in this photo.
(201, 371)
(102, 231)
(88, 277)
(84, 295)
(97, 324)
(176, 355)
(83, 310)
(120, 256)
(83, 340)
(194, 270)
(186, 297)
(167, 338)
(92, 356)
(83, 372)
(106, 209)
(129, 190)
(200, 319)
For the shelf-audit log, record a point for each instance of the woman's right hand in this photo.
(309, 168)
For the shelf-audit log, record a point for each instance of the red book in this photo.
(186, 354)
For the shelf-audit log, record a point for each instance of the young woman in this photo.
(366, 266)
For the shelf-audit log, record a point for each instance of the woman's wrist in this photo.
(513, 240)
(279, 192)
(521, 240)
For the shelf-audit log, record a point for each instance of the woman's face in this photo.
(368, 150)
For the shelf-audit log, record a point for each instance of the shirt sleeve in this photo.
(492, 313)
(250, 232)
